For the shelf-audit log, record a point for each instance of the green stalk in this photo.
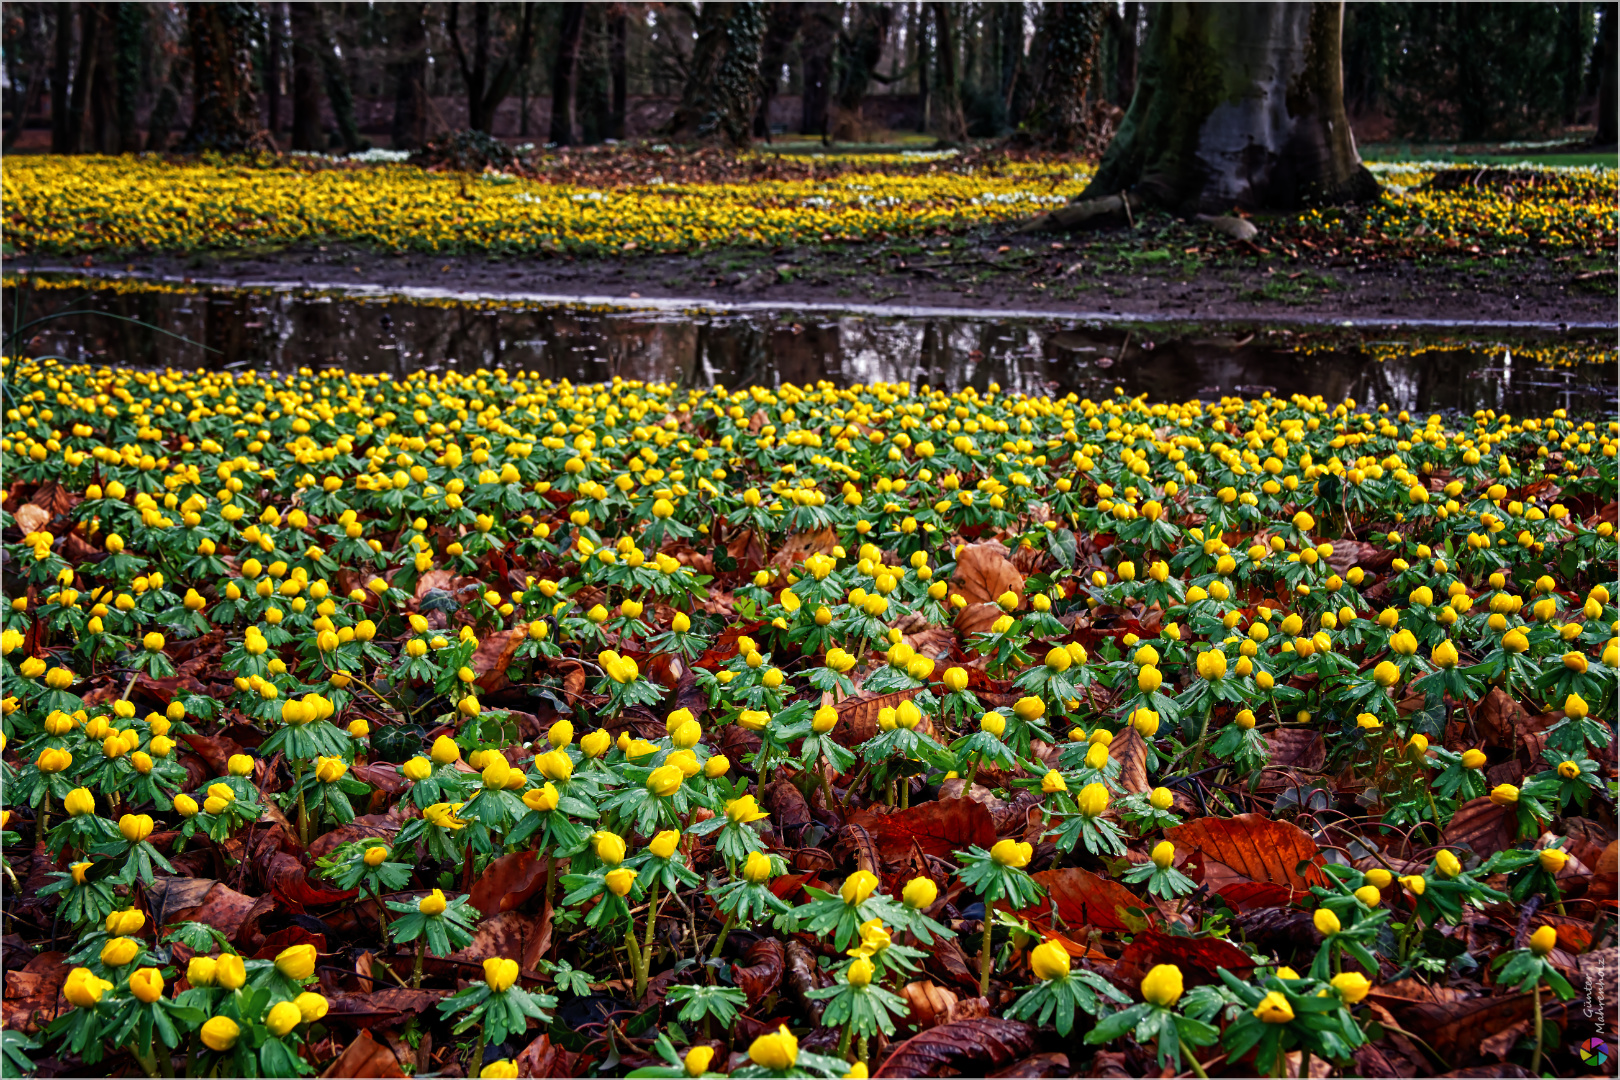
(843, 1040)
(1192, 1059)
(984, 953)
(1535, 1055)
(416, 965)
(303, 810)
(720, 942)
(647, 948)
(634, 950)
(1203, 734)
(42, 824)
(860, 1049)
(478, 1054)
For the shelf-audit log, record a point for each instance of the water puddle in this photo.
(1420, 368)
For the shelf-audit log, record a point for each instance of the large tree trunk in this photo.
(952, 124)
(565, 76)
(818, 37)
(925, 101)
(276, 18)
(859, 54)
(306, 90)
(61, 75)
(1238, 105)
(1065, 51)
(409, 128)
(718, 99)
(131, 25)
(618, 71)
(1608, 30)
(486, 87)
(1125, 22)
(336, 77)
(225, 108)
(104, 104)
(84, 75)
(781, 27)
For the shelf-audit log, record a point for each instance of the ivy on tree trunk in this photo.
(1237, 106)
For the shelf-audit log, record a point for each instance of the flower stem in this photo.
(416, 965)
(647, 948)
(720, 942)
(478, 1054)
(843, 1041)
(1535, 1055)
(984, 953)
(1192, 1059)
(42, 825)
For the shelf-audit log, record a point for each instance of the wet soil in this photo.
(1099, 274)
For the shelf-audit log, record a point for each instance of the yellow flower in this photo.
(126, 923)
(445, 751)
(621, 879)
(1504, 795)
(83, 989)
(665, 780)
(1092, 800)
(1386, 674)
(1164, 853)
(500, 973)
(1552, 859)
(1049, 960)
(1162, 985)
(417, 768)
(311, 1006)
(376, 855)
(955, 679)
(1352, 986)
(296, 961)
(433, 903)
(744, 810)
(1161, 798)
(857, 887)
(1575, 707)
(1415, 884)
(663, 845)
(779, 1051)
(1473, 759)
(697, 1060)
(504, 1069)
(757, 868)
(1053, 782)
(119, 951)
(1274, 1009)
(220, 1033)
(556, 765)
(200, 972)
(135, 827)
(609, 847)
(1012, 853)
(282, 1018)
(1327, 923)
(919, 893)
(860, 972)
(230, 972)
(1379, 878)
(595, 744)
(1369, 895)
(544, 798)
(1544, 940)
(79, 802)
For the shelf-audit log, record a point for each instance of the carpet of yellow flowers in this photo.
(71, 205)
(484, 725)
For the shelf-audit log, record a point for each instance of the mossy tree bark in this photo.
(722, 80)
(225, 109)
(1237, 106)
(1065, 51)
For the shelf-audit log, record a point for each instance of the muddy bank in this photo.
(1100, 274)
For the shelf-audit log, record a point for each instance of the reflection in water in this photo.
(282, 330)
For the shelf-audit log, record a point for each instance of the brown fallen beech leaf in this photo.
(365, 1059)
(1130, 751)
(1083, 899)
(493, 656)
(984, 572)
(974, 1047)
(858, 717)
(507, 882)
(1482, 827)
(938, 827)
(1457, 1030)
(1036, 1066)
(219, 905)
(544, 1058)
(931, 1004)
(760, 973)
(1201, 955)
(1256, 847)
